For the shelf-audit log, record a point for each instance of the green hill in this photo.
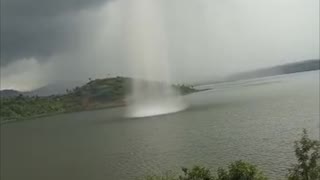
(97, 94)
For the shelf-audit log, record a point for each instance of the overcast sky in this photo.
(43, 41)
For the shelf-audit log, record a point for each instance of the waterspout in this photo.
(147, 48)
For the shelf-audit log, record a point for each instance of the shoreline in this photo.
(2, 122)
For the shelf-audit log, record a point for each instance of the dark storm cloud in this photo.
(44, 41)
(40, 28)
(45, 7)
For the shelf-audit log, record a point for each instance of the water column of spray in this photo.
(152, 93)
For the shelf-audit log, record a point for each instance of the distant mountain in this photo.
(7, 93)
(58, 88)
(308, 65)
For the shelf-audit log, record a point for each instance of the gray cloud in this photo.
(45, 7)
(40, 28)
(43, 41)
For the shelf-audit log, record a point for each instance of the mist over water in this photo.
(147, 55)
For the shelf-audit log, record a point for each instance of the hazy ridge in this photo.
(308, 65)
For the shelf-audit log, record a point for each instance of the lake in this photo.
(254, 120)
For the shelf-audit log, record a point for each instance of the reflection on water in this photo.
(255, 123)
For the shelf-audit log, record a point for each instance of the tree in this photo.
(166, 176)
(240, 170)
(196, 173)
(307, 152)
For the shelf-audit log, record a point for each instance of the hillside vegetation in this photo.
(96, 94)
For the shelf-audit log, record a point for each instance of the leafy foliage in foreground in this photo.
(238, 170)
(307, 168)
(166, 176)
(308, 155)
(197, 172)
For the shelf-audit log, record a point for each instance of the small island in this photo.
(96, 94)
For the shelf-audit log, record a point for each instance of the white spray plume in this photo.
(148, 57)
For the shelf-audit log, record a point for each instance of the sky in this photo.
(45, 41)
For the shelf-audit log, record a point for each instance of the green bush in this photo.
(166, 176)
(240, 170)
(308, 155)
(196, 173)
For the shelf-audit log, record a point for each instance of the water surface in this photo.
(254, 120)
